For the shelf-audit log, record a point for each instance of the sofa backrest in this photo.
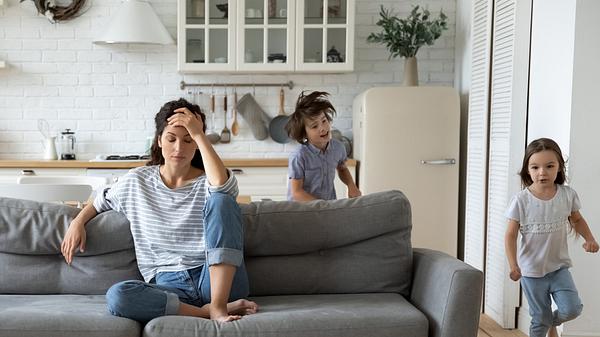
(359, 245)
(30, 259)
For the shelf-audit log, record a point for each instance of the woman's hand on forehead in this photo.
(185, 118)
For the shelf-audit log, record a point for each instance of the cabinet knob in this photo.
(27, 172)
(237, 171)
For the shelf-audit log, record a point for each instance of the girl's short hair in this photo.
(308, 106)
(160, 120)
(536, 146)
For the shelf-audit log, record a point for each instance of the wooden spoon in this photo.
(235, 128)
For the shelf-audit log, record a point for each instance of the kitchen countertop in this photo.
(263, 162)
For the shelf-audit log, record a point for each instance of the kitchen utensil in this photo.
(67, 145)
(255, 116)
(225, 133)
(213, 136)
(44, 128)
(235, 128)
(50, 148)
(277, 125)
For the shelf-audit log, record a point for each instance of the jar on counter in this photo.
(197, 8)
(67, 145)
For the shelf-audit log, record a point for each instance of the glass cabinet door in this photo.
(265, 35)
(208, 35)
(325, 35)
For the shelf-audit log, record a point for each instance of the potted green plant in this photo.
(404, 37)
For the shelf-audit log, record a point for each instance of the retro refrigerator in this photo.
(407, 138)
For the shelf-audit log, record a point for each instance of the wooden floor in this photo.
(489, 328)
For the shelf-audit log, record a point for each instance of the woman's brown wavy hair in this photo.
(160, 120)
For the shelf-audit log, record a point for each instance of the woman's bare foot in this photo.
(242, 307)
(225, 318)
(552, 332)
(219, 313)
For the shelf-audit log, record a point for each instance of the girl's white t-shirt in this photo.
(544, 225)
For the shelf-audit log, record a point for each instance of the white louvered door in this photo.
(496, 142)
(476, 184)
(508, 121)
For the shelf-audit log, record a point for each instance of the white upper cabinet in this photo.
(325, 36)
(206, 35)
(265, 36)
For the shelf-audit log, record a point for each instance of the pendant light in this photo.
(135, 22)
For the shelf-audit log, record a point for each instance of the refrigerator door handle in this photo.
(450, 161)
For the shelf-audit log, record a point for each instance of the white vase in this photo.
(50, 148)
(411, 75)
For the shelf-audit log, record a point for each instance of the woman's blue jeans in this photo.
(224, 239)
(558, 284)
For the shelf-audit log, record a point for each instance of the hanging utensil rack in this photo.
(289, 84)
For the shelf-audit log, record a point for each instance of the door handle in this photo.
(450, 161)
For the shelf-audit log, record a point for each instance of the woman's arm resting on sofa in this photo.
(75, 236)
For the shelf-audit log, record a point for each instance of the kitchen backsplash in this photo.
(109, 94)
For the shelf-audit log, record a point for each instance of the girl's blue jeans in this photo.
(224, 238)
(538, 290)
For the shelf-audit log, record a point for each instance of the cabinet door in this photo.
(271, 182)
(262, 182)
(206, 35)
(325, 35)
(265, 35)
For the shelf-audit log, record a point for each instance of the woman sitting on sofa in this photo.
(186, 227)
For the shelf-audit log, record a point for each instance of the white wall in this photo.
(585, 162)
(551, 71)
(109, 94)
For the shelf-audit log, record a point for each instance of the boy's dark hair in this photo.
(160, 120)
(536, 146)
(308, 106)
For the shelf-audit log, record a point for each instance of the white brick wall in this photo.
(109, 94)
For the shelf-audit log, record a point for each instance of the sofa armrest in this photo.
(448, 291)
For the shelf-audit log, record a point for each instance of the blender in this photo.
(67, 145)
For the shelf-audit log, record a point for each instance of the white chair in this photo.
(53, 188)
(47, 192)
(93, 181)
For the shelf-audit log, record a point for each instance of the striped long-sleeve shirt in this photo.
(167, 225)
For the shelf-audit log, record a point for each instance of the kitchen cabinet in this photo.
(270, 183)
(265, 36)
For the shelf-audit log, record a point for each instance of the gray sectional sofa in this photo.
(325, 268)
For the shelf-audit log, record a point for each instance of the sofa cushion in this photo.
(359, 245)
(307, 316)
(31, 261)
(61, 316)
